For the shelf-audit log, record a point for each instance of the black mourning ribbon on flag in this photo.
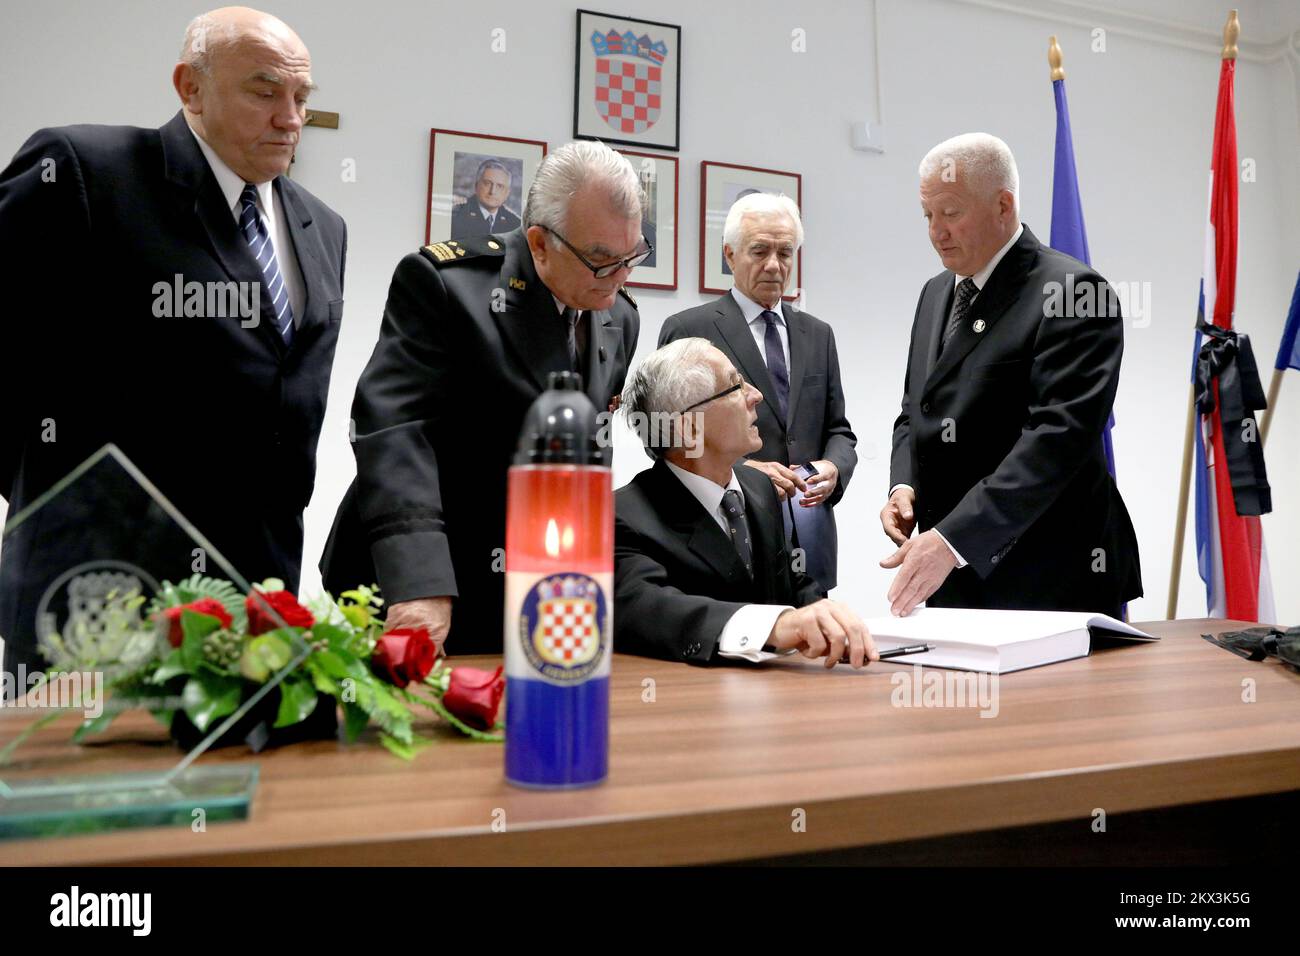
(1227, 357)
(1257, 643)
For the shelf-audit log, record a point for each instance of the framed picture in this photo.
(477, 183)
(627, 87)
(658, 219)
(721, 184)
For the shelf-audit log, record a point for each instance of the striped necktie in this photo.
(259, 241)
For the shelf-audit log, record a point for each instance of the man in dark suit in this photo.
(471, 330)
(1012, 373)
(486, 213)
(105, 231)
(790, 356)
(701, 568)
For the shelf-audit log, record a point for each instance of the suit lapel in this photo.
(988, 308)
(734, 329)
(937, 319)
(797, 333)
(602, 345)
(765, 527)
(304, 242)
(684, 514)
(530, 324)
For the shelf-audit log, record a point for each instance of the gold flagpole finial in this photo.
(1231, 30)
(1054, 59)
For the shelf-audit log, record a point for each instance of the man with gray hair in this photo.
(701, 567)
(808, 448)
(471, 330)
(997, 453)
(486, 213)
(101, 228)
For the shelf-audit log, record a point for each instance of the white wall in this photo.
(1142, 113)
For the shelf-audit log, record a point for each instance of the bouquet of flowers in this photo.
(201, 648)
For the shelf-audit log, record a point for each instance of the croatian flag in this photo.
(1229, 547)
(1288, 353)
(1068, 232)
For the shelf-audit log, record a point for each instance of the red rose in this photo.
(474, 695)
(283, 603)
(404, 654)
(209, 606)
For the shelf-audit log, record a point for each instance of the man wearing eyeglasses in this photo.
(471, 330)
(701, 567)
(808, 448)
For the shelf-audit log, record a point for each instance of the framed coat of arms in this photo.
(627, 87)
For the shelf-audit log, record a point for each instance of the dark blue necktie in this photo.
(733, 508)
(259, 241)
(776, 364)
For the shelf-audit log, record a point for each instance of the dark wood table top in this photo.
(724, 761)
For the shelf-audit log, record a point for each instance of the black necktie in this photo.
(776, 363)
(734, 510)
(965, 295)
(573, 316)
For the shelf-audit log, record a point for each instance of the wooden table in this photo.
(719, 764)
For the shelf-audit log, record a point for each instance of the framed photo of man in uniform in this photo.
(721, 184)
(627, 86)
(658, 176)
(478, 183)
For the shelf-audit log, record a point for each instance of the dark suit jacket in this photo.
(1002, 438)
(438, 411)
(223, 419)
(817, 427)
(677, 577)
(467, 221)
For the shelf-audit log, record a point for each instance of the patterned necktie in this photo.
(776, 363)
(573, 315)
(965, 295)
(734, 510)
(259, 241)
(491, 221)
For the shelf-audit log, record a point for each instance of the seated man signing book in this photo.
(701, 565)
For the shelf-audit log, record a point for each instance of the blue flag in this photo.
(1288, 354)
(1068, 232)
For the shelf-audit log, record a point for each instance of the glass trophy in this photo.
(86, 743)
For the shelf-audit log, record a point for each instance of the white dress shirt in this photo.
(981, 279)
(277, 227)
(744, 635)
(753, 313)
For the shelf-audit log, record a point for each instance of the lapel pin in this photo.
(979, 325)
(519, 284)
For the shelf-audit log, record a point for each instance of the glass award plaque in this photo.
(116, 706)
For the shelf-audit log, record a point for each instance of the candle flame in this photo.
(552, 538)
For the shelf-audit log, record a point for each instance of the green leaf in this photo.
(170, 667)
(195, 627)
(354, 721)
(264, 656)
(207, 697)
(406, 751)
(297, 701)
(94, 725)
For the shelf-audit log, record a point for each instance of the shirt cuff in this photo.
(896, 487)
(745, 634)
(961, 562)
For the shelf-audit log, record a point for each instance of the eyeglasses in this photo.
(602, 272)
(722, 394)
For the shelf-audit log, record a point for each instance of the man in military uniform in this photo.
(486, 213)
(470, 332)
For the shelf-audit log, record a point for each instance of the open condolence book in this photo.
(998, 641)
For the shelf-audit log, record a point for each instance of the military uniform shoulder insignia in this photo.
(622, 290)
(455, 250)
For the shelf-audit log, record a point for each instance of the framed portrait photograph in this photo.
(721, 184)
(627, 86)
(477, 183)
(658, 176)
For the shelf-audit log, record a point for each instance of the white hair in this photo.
(760, 204)
(571, 167)
(667, 381)
(981, 159)
(204, 36)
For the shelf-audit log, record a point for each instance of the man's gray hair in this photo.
(491, 164)
(571, 167)
(204, 36)
(668, 380)
(982, 161)
(759, 203)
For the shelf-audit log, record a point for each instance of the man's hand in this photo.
(898, 517)
(433, 613)
(784, 480)
(821, 485)
(825, 629)
(926, 561)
